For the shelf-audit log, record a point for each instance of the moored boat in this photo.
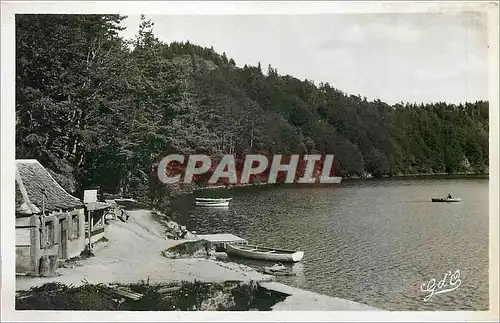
(214, 202)
(207, 199)
(445, 199)
(278, 270)
(279, 273)
(264, 253)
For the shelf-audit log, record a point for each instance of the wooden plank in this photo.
(168, 289)
(223, 238)
(23, 222)
(128, 293)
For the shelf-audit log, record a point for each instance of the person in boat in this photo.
(449, 196)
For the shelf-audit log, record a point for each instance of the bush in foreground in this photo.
(185, 296)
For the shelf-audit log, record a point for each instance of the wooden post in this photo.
(89, 197)
(43, 202)
(42, 222)
(90, 230)
(43, 234)
(35, 222)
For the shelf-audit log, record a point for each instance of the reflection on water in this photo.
(373, 242)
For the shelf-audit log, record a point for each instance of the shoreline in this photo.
(194, 191)
(345, 178)
(419, 176)
(133, 254)
(236, 187)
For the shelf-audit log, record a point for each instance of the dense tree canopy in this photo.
(100, 111)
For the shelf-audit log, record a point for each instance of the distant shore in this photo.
(422, 175)
(222, 188)
(348, 178)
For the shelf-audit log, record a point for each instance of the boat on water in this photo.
(207, 199)
(264, 253)
(213, 202)
(278, 270)
(445, 199)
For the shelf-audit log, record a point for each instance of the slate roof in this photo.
(32, 182)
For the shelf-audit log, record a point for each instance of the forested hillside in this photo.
(98, 111)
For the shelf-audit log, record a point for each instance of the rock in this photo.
(190, 249)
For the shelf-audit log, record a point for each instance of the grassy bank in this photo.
(185, 296)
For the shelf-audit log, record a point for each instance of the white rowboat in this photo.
(213, 204)
(269, 271)
(219, 202)
(263, 253)
(206, 199)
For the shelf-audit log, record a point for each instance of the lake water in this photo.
(374, 242)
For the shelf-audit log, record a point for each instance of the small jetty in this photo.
(302, 300)
(221, 240)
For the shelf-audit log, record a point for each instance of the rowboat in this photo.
(212, 204)
(445, 199)
(264, 253)
(268, 271)
(278, 270)
(205, 201)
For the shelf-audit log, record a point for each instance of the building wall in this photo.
(77, 245)
(23, 260)
(24, 244)
(30, 248)
(51, 248)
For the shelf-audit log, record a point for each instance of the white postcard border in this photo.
(211, 8)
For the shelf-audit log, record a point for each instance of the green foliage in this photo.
(101, 112)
